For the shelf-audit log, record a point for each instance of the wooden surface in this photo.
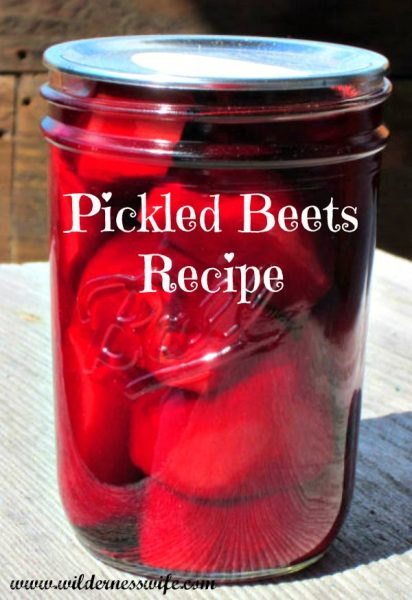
(27, 27)
(7, 93)
(371, 557)
(29, 207)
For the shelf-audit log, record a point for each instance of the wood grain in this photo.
(371, 557)
(7, 100)
(27, 27)
(29, 224)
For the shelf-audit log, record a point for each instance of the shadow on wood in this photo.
(379, 522)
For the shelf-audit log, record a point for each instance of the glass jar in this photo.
(212, 228)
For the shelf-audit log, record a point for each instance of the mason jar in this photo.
(213, 205)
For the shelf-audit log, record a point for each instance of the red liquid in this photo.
(197, 434)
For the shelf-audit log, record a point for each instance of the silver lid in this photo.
(216, 62)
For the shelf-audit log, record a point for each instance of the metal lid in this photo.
(216, 62)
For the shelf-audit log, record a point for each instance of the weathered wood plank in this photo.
(371, 557)
(29, 229)
(28, 27)
(7, 98)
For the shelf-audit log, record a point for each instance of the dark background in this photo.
(27, 27)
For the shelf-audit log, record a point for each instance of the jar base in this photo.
(123, 564)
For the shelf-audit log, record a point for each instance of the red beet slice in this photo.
(87, 500)
(272, 428)
(110, 305)
(155, 431)
(306, 280)
(177, 533)
(84, 470)
(103, 344)
(183, 339)
(69, 249)
(100, 412)
(195, 342)
(145, 131)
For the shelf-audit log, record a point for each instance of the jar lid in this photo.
(216, 62)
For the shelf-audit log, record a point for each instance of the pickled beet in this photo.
(100, 413)
(307, 275)
(116, 127)
(223, 445)
(171, 335)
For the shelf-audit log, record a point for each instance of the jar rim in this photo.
(217, 62)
